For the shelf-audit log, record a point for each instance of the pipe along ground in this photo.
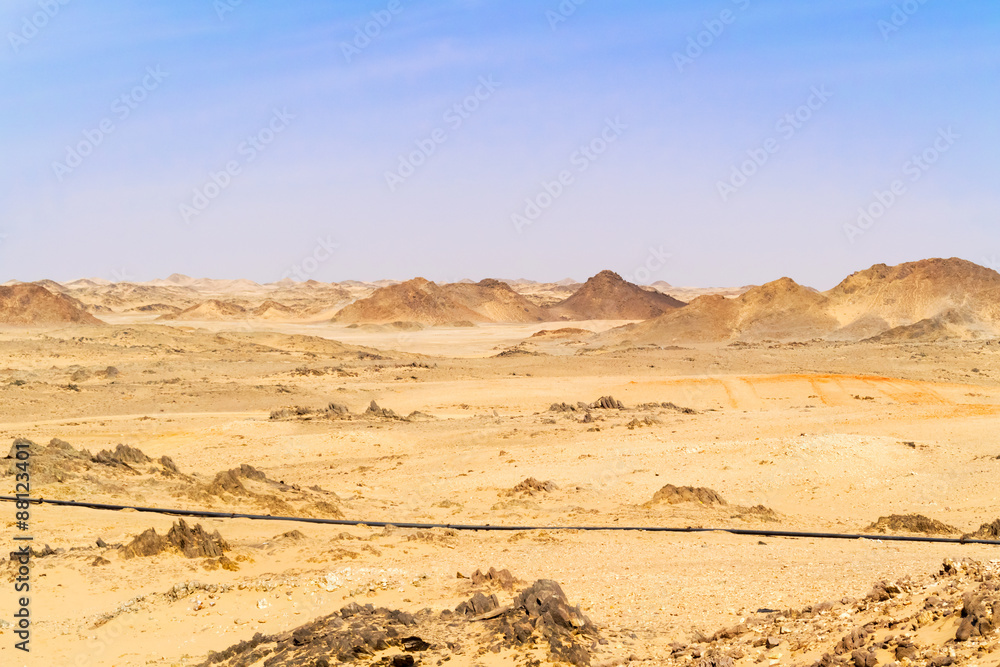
(488, 527)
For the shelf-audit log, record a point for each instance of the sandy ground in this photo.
(481, 340)
(829, 437)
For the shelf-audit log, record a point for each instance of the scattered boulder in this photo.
(667, 406)
(607, 403)
(980, 615)
(852, 642)
(603, 403)
(911, 523)
(478, 605)
(81, 375)
(532, 486)
(374, 411)
(191, 542)
(168, 464)
(502, 578)
(354, 633)
(540, 618)
(987, 531)
(123, 455)
(337, 409)
(56, 462)
(231, 481)
(640, 423)
(674, 495)
(884, 590)
(542, 610)
(759, 512)
(228, 482)
(294, 535)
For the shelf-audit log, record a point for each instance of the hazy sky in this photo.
(724, 142)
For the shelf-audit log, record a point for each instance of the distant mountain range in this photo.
(933, 299)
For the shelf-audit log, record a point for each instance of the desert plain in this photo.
(871, 408)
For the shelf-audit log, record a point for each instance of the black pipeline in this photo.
(488, 527)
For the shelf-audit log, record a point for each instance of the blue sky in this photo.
(654, 198)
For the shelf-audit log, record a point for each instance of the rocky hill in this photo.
(26, 304)
(607, 296)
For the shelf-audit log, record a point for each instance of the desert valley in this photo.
(867, 409)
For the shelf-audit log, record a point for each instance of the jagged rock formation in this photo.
(539, 618)
(190, 542)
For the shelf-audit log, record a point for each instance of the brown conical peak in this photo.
(29, 303)
(607, 275)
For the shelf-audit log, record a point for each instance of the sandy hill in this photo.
(212, 310)
(778, 310)
(496, 300)
(155, 308)
(417, 300)
(692, 293)
(128, 296)
(86, 282)
(934, 299)
(321, 295)
(51, 285)
(222, 285)
(544, 294)
(607, 296)
(272, 310)
(30, 304)
(891, 296)
(426, 302)
(175, 279)
(951, 325)
(783, 309)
